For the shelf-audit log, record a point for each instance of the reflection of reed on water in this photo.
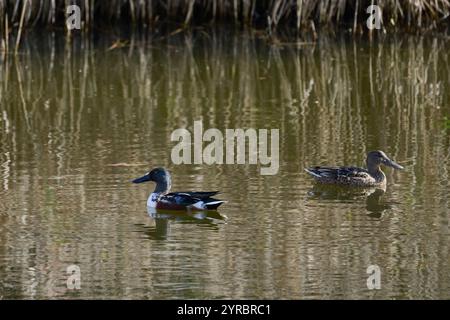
(397, 91)
(68, 111)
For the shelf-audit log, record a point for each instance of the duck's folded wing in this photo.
(178, 198)
(337, 172)
(353, 172)
(198, 200)
(199, 195)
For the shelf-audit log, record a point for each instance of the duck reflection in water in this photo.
(375, 206)
(161, 220)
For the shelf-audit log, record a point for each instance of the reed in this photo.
(298, 14)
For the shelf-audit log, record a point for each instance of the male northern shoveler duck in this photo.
(353, 176)
(160, 198)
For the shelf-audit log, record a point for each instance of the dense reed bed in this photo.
(415, 14)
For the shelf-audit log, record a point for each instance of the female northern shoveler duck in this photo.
(353, 176)
(161, 199)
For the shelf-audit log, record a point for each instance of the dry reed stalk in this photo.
(418, 14)
(22, 18)
(189, 12)
(6, 35)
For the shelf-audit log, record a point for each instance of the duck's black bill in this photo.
(145, 178)
(393, 164)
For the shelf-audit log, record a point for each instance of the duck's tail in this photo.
(313, 172)
(213, 205)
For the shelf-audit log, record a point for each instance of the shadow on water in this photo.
(375, 204)
(161, 221)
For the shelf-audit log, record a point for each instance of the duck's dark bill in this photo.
(393, 164)
(142, 179)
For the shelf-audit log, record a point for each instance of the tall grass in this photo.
(297, 13)
(305, 15)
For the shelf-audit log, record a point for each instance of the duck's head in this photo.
(377, 158)
(159, 175)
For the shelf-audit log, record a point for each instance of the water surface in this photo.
(79, 120)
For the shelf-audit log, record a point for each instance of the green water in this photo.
(79, 121)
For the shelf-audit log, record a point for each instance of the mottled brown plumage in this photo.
(354, 176)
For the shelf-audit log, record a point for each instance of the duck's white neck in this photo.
(153, 199)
